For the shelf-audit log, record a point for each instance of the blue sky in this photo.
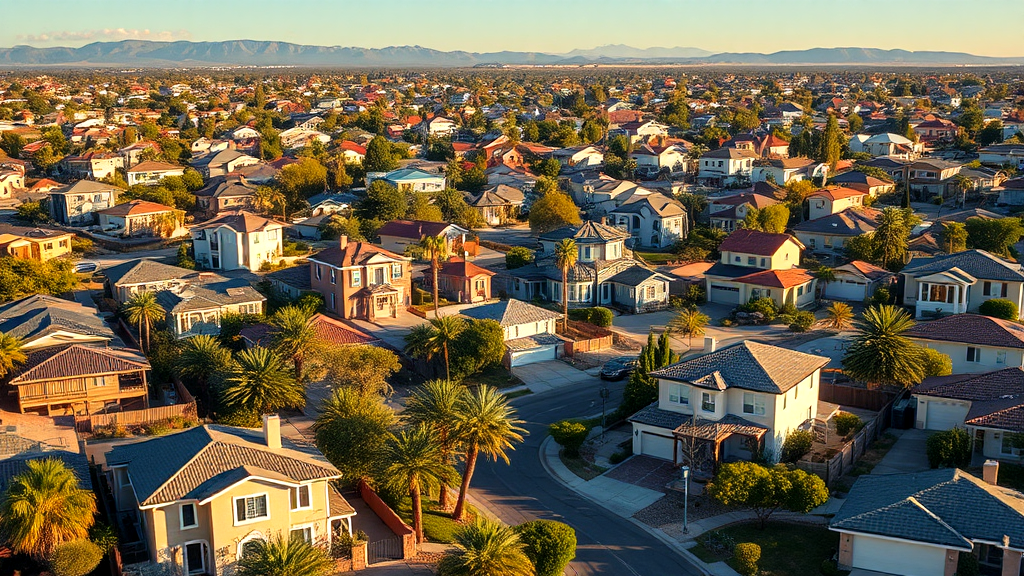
(532, 25)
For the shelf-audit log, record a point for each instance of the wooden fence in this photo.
(185, 408)
(847, 394)
(593, 338)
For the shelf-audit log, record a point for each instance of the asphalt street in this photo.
(606, 544)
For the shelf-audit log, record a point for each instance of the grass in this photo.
(873, 455)
(580, 467)
(656, 258)
(438, 525)
(496, 376)
(518, 393)
(786, 549)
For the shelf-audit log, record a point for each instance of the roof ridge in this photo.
(210, 441)
(935, 516)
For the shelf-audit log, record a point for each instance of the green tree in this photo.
(892, 233)
(570, 435)
(855, 122)
(518, 257)
(996, 307)
(830, 148)
(840, 316)
(689, 322)
(379, 156)
(949, 449)
(436, 405)
(954, 237)
(76, 558)
(479, 346)
(200, 358)
(11, 143)
(383, 202)
(259, 382)
(880, 353)
(435, 249)
(550, 545)
(995, 236)
(267, 198)
(486, 548)
(553, 211)
(764, 490)
(278, 556)
(364, 368)
(143, 310)
(11, 353)
(302, 179)
(415, 463)
(824, 274)
(294, 337)
(428, 340)
(566, 254)
(935, 363)
(352, 432)
(773, 219)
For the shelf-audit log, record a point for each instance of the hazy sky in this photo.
(974, 26)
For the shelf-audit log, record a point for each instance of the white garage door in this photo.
(944, 415)
(721, 294)
(657, 446)
(534, 355)
(901, 558)
(845, 290)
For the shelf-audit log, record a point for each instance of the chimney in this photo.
(604, 219)
(342, 241)
(990, 471)
(710, 344)
(272, 430)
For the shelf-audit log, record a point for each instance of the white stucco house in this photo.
(237, 240)
(961, 282)
(529, 330)
(973, 342)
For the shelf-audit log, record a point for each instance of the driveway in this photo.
(637, 326)
(907, 454)
(544, 376)
(834, 347)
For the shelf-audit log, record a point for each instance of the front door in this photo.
(195, 558)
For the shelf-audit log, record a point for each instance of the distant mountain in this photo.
(145, 53)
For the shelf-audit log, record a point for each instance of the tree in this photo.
(773, 219)
(518, 257)
(416, 462)
(825, 275)
(550, 545)
(302, 179)
(11, 143)
(880, 353)
(954, 237)
(552, 211)
(764, 490)
(891, 235)
(861, 247)
(689, 322)
(293, 336)
(364, 368)
(427, 340)
(281, 556)
(11, 353)
(855, 122)
(143, 310)
(996, 236)
(352, 432)
(831, 145)
(44, 507)
(486, 425)
(480, 345)
(949, 449)
(379, 156)
(570, 435)
(935, 363)
(566, 254)
(259, 382)
(421, 208)
(486, 548)
(435, 248)
(840, 316)
(200, 358)
(436, 405)
(642, 388)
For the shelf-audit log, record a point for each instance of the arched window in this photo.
(248, 543)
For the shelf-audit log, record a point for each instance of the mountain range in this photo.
(145, 53)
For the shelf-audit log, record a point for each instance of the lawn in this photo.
(438, 525)
(658, 258)
(786, 549)
(580, 467)
(496, 376)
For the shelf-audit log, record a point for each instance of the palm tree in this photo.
(143, 310)
(260, 382)
(266, 197)
(486, 548)
(416, 462)
(284, 557)
(427, 340)
(10, 353)
(200, 358)
(436, 404)
(294, 336)
(826, 275)
(963, 185)
(880, 353)
(691, 322)
(44, 507)
(486, 425)
(435, 248)
(566, 255)
(840, 316)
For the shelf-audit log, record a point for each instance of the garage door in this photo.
(902, 558)
(944, 415)
(845, 290)
(721, 294)
(657, 446)
(534, 355)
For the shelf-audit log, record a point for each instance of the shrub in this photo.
(158, 428)
(694, 295)
(766, 306)
(598, 316)
(788, 308)
(103, 535)
(797, 443)
(1000, 308)
(829, 567)
(621, 455)
(746, 556)
(847, 423)
(76, 558)
(881, 296)
(802, 321)
(570, 435)
(967, 565)
(549, 545)
(949, 449)
(580, 314)
(517, 257)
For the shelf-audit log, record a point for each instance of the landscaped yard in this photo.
(786, 549)
(496, 376)
(438, 525)
(580, 467)
(658, 258)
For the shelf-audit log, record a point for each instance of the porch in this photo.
(704, 444)
(943, 292)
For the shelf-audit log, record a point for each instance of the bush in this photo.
(967, 565)
(829, 567)
(1000, 308)
(797, 443)
(76, 558)
(789, 309)
(517, 257)
(949, 449)
(802, 321)
(847, 423)
(598, 316)
(103, 535)
(621, 455)
(766, 306)
(881, 296)
(549, 545)
(570, 435)
(746, 556)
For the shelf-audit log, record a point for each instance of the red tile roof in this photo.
(755, 242)
(461, 268)
(135, 208)
(777, 278)
(837, 193)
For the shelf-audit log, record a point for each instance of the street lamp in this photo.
(686, 497)
(605, 393)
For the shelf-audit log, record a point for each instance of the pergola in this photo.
(712, 433)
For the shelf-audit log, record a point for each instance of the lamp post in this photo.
(686, 498)
(605, 393)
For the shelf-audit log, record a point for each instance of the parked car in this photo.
(86, 266)
(618, 368)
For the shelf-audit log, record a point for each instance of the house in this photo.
(11, 181)
(857, 281)
(728, 212)
(134, 276)
(151, 172)
(603, 193)
(360, 280)
(461, 281)
(292, 281)
(222, 163)
(791, 111)
(438, 127)
(223, 193)
(960, 282)
(973, 342)
(498, 204)
(142, 218)
(328, 330)
(746, 252)
(830, 233)
(833, 200)
(929, 242)
(861, 182)
(410, 180)
(34, 243)
(782, 171)
(739, 402)
(919, 523)
(898, 170)
(92, 165)
(936, 130)
(643, 130)
(352, 152)
(42, 321)
(399, 235)
(237, 240)
(989, 405)
(653, 158)
(77, 204)
(726, 166)
(887, 144)
(529, 330)
(200, 496)
(652, 220)
(1011, 193)
(579, 158)
(197, 306)
(929, 177)
(1001, 154)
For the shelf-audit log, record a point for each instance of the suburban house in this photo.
(862, 182)
(151, 172)
(134, 276)
(726, 166)
(1012, 192)
(833, 200)
(930, 177)
(602, 194)
(399, 235)
(222, 163)
(438, 127)
(1001, 154)
(918, 524)
(739, 402)
(929, 242)
(973, 342)
(410, 180)
(34, 243)
(652, 158)
(237, 240)
(92, 165)
(200, 496)
(990, 406)
(77, 204)
(460, 281)
(42, 321)
(938, 129)
(857, 281)
(498, 204)
(579, 158)
(653, 220)
(360, 280)
(745, 255)
(955, 283)
(728, 212)
(887, 144)
(643, 130)
(223, 193)
(782, 171)
(142, 218)
(529, 330)
(831, 232)
(197, 307)
(330, 331)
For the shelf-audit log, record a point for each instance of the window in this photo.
(188, 516)
(300, 498)
(753, 404)
(251, 509)
(799, 290)
(357, 278)
(652, 291)
(304, 533)
(96, 382)
(707, 402)
(319, 272)
(334, 301)
(396, 270)
(764, 262)
(987, 289)
(751, 261)
(738, 259)
(679, 394)
(586, 252)
(973, 354)
(256, 238)
(271, 234)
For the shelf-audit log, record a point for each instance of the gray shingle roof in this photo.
(971, 329)
(36, 316)
(654, 416)
(748, 365)
(213, 293)
(587, 233)
(997, 398)
(78, 463)
(849, 222)
(145, 271)
(633, 276)
(510, 313)
(977, 263)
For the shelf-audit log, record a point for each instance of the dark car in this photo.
(618, 368)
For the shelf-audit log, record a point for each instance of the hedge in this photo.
(598, 316)
(1000, 308)
(550, 545)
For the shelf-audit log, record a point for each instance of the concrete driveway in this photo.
(907, 454)
(543, 376)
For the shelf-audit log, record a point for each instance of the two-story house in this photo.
(652, 220)
(831, 232)
(961, 282)
(602, 194)
(529, 330)
(833, 200)
(198, 306)
(237, 240)
(931, 176)
(652, 158)
(77, 204)
(360, 280)
(757, 264)
(34, 243)
(152, 172)
(739, 402)
(936, 130)
(225, 193)
(222, 163)
(92, 165)
(399, 235)
(579, 158)
(201, 496)
(728, 212)
(726, 166)
(973, 342)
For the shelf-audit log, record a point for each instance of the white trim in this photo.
(234, 509)
(246, 479)
(181, 516)
(254, 535)
(186, 569)
(309, 494)
(894, 539)
(312, 530)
